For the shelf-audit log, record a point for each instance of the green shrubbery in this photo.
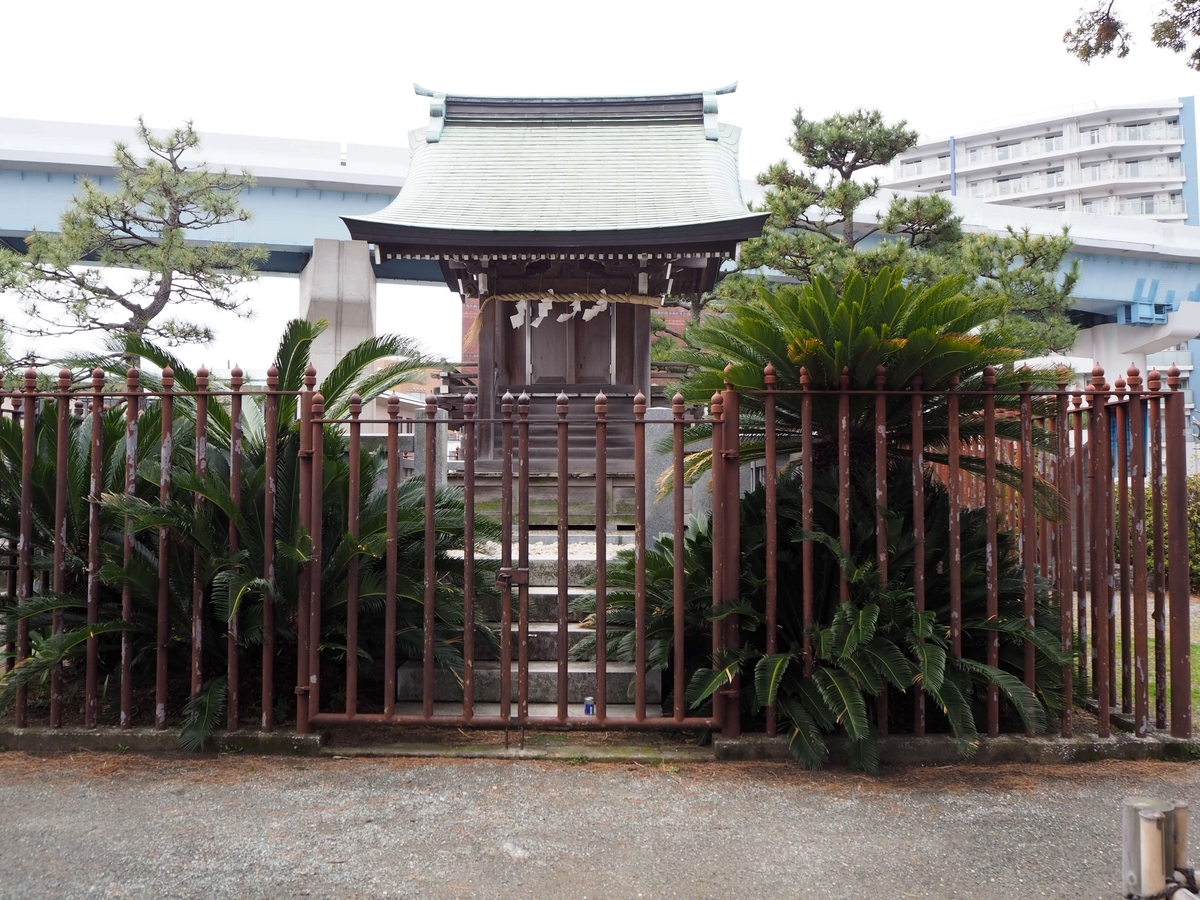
(198, 532)
(872, 326)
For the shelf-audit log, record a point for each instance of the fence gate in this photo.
(489, 641)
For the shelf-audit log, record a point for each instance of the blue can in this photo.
(589, 706)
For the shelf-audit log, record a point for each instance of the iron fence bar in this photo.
(1154, 383)
(316, 511)
(1102, 476)
(390, 566)
(601, 409)
(468, 553)
(25, 540)
(58, 580)
(844, 479)
(1177, 524)
(918, 500)
(1082, 526)
(1044, 462)
(233, 634)
(992, 552)
(1122, 548)
(1095, 531)
(197, 585)
(133, 390)
(96, 487)
(677, 552)
(270, 490)
(731, 718)
(163, 625)
(806, 516)
(1109, 545)
(772, 524)
(578, 723)
(562, 509)
(717, 408)
(429, 601)
(881, 527)
(639, 556)
(354, 487)
(1029, 532)
(1062, 545)
(12, 567)
(1137, 471)
(506, 511)
(522, 558)
(954, 477)
(303, 601)
(25, 531)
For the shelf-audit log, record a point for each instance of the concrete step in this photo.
(543, 639)
(543, 604)
(543, 570)
(548, 710)
(543, 682)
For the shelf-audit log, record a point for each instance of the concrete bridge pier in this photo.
(338, 285)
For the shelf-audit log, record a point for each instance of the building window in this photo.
(1091, 136)
(944, 163)
(973, 154)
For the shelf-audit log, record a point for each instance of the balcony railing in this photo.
(1107, 134)
(1114, 171)
(1147, 206)
(1167, 358)
(1014, 186)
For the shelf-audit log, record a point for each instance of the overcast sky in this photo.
(344, 72)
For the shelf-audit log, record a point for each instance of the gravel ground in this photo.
(118, 825)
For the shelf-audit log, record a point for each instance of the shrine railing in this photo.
(179, 537)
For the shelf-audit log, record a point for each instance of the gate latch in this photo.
(507, 577)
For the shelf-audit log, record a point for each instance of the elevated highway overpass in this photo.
(302, 187)
(1140, 280)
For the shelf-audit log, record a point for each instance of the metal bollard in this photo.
(1179, 842)
(1154, 848)
(1131, 831)
(1152, 875)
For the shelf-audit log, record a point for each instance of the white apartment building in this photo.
(1128, 160)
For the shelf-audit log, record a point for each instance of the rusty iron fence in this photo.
(1088, 481)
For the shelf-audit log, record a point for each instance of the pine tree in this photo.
(159, 225)
(812, 230)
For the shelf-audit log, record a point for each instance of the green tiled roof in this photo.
(582, 167)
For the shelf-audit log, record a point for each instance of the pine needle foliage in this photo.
(164, 223)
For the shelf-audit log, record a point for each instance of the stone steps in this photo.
(543, 645)
(543, 639)
(543, 605)
(537, 710)
(543, 682)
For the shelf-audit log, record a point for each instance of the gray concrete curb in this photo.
(149, 740)
(646, 755)
(900, 750)
(904, 750)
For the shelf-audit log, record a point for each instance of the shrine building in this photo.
(561, 223)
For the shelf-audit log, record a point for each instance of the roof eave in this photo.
(724, 231)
